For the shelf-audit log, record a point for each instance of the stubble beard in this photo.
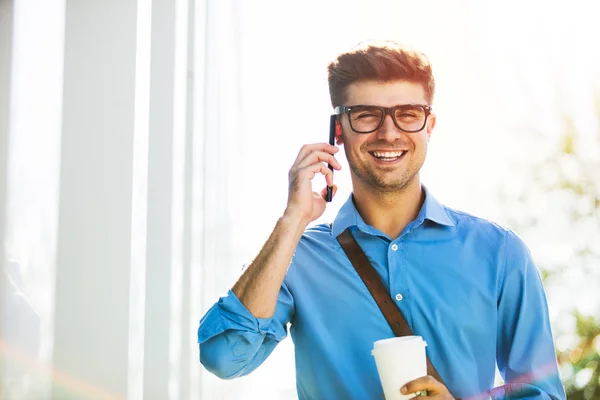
(382, 183)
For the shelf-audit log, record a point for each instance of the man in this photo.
(466, 285)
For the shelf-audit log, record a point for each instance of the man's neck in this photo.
(389, 212)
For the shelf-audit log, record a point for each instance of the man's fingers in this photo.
(428, 383)
(319, 156)
(308, 173)
(309, 148)
(324, 191)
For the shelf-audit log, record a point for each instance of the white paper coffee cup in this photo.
(399, 360)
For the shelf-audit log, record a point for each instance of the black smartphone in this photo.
(332, 121)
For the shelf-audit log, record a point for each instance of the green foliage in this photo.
(583, 360)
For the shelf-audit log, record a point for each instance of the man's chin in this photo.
(388, 187)
(391, 185)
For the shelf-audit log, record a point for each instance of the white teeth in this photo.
(388, 154)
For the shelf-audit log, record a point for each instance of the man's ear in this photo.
(430, 125)
(338, 133)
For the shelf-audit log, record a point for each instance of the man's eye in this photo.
(365, 115)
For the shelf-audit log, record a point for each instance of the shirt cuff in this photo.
(230, 314)
(231, 305)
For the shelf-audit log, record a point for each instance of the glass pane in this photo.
(32, 197)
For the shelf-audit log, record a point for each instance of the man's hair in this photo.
(382, 62)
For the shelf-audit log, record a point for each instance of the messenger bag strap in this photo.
(372, 281)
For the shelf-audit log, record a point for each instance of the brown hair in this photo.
(382, 62)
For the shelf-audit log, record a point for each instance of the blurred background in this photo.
(144, 151)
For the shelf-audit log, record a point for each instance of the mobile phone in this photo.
(332, 122)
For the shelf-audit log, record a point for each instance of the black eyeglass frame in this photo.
(339, 110)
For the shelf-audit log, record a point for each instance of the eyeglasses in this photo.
(367, 119)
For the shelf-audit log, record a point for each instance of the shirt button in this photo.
(399, 297)
(394, 247)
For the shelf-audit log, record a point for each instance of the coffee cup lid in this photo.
(380, 344)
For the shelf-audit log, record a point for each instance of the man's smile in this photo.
(388, 156)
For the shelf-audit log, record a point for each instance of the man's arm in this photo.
(233, 342)
(258, 287)
(525, 346)
(240, 331)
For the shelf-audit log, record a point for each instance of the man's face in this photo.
(388, 159)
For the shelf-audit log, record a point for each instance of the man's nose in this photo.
(388, 130)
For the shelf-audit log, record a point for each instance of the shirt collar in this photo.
(348, 215)
(435, 211)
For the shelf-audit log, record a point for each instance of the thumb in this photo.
(324, 191)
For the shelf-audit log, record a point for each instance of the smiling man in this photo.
(466, 285)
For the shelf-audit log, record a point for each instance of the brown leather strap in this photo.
(372, 281)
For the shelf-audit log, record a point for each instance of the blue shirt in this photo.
(466, 285)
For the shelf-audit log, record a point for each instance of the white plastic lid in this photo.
(382, 344)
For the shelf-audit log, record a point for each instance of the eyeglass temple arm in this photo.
(340, 110)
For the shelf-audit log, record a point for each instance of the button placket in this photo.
(397, 277)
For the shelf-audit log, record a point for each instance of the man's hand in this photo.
(312, 160)
(432, 388)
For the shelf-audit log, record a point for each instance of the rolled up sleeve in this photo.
(233, 342)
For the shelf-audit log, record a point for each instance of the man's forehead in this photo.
(385, 94)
